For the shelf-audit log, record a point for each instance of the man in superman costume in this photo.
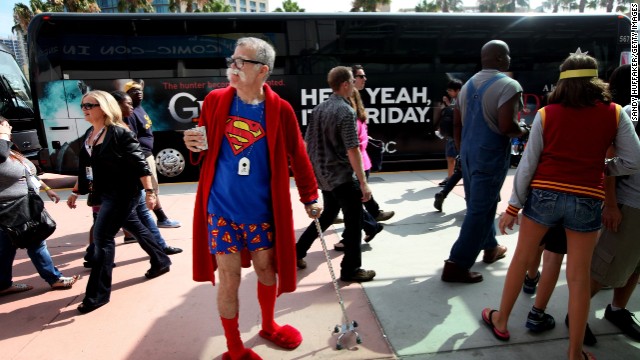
(243, 204)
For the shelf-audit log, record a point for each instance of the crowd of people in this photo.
(565, 193)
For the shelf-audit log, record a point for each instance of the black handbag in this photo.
(25, 221)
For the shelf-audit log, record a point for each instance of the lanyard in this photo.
(95, 140)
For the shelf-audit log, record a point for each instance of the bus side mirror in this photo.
(5, 94)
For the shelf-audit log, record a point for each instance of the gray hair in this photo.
(265, 53)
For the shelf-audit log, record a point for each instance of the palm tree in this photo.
(135, 5)
(431, 6)
(289, 6)
(174, 5)
(440, 5)
(368, 5)
(22, 16)
(216, 6)
(502, 5)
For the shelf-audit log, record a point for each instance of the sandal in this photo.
(16, 288)
(487, 318)
(588, 356)
(65, 283)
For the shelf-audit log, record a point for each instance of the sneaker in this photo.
(625, 320)
(530, 285)
(589, 338)
(130, 239)
(385, 215)
(301, 264)
(65, 282)
(360, 275)
(168, 223)
(443, 182)
(437, 203)
(170, 250)
(539, 322)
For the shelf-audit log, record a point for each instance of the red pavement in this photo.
(170, 317)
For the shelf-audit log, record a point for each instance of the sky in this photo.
(6, 8)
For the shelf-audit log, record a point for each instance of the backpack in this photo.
(446, 121)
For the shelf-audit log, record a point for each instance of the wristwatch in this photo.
(149, 191)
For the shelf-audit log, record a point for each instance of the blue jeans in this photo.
(116, 212)
(347, 197)
(147, 220)
(39, 256)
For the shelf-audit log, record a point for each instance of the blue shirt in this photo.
(244, 199)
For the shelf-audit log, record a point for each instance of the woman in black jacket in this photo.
(114, 170)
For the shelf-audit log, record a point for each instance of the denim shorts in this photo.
(450, 148)
(573, 212)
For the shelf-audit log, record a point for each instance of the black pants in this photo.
(115, 213)
(347, 197)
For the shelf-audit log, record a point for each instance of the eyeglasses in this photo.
(240, 62)
(361, 76)
(88, 106)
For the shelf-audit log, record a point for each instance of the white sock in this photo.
(614, 308)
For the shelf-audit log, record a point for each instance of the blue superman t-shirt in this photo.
(244, 199)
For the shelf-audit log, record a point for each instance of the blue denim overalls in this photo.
(485, 160)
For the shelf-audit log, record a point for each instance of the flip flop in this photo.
(248, 354)
(588, 356)
(504, 336)
(16, 288)
(286, 337)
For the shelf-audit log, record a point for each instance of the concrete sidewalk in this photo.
(407, 312)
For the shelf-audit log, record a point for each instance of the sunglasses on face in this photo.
(240, 62)
(361, 76)
(88, 106)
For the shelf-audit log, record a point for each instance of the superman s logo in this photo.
(242, 133)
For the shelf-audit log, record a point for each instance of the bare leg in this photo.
(580, 247)
(532, 271)
(527, 249)
(622, 295)
(451, 162)
(229, 268)
(548, 278)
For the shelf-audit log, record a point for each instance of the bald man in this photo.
(485, 119)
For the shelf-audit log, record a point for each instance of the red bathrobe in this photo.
(286, 147)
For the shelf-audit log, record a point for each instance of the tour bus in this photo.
(408, 59)
(17, 107)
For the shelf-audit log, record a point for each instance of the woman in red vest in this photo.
(560, 182)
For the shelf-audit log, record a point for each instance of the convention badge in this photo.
(89, 173)
(244, 166)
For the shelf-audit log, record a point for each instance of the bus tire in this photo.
(172, 159)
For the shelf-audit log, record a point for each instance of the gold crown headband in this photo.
(578, 73)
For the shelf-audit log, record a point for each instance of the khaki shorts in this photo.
(154, 176)
(617, 254)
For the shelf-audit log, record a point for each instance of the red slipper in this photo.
(286, 337)
(248, 354)
(504, 336)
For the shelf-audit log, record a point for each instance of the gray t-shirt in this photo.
(13, 184)
(495, 96)
(330, 133)
(628, 188)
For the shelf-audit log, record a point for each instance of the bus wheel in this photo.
(170, 162)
